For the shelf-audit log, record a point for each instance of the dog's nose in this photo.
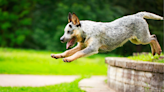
(62, 39)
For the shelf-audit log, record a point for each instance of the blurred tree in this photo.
(14, 22)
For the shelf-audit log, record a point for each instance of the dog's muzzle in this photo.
(62, 39)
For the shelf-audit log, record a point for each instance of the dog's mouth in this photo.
(71, 43)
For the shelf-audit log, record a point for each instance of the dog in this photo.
(93, 37)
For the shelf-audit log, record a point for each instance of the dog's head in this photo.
(72, 31)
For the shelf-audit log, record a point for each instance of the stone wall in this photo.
(126, 75)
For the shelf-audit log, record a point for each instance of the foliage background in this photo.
(39, 24)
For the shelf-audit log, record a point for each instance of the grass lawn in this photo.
(19, 61)
(149, 57)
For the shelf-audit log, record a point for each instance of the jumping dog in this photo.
(95, 36)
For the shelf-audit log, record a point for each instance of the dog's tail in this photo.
(148, 15)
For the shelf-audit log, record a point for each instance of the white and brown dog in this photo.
(95, 36)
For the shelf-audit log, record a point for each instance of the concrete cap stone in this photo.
(136, 65)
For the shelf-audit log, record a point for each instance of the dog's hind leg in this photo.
(143, 36)
(155, 44)
(135, 41)
(152, 49)
(152, 40)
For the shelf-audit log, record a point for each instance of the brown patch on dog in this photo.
(77, 34)
(74, 56)
(73, 50)
(75, 19)
(90, 40)
(156, 46)
(152, 48)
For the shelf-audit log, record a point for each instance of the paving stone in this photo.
(119, 63)
(119, 87)
(112, 72)
(119, 74)
(139, 89)
(129, 88)
(158, 68)
(131, 65)
(95, 84)
(33, 80)
(144, 66)
(156, 80)
(111, 62)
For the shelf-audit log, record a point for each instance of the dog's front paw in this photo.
(66, 60)
(56, 56)
(53, 56)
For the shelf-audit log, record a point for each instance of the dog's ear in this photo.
(75, 19)
(69, 17)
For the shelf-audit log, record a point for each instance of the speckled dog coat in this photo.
(93, 37)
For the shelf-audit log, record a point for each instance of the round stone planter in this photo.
(126, 75)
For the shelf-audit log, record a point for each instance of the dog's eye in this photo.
(68, 32)
(70, 26)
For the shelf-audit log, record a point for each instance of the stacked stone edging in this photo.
(126, 75)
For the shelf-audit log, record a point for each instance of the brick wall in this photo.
(126, 75)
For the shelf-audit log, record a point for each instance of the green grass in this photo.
(19, 61)
(63, 87)
(148, 57)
